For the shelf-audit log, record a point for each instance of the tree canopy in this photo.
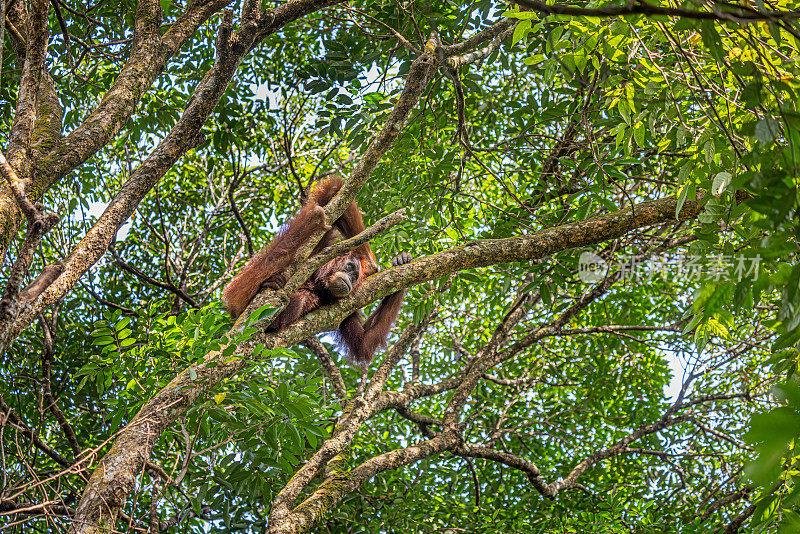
(602, 325)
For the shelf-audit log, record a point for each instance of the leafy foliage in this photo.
(570, 118)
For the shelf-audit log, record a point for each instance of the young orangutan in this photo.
(331, 282)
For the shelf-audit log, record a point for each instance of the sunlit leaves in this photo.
(570, 118)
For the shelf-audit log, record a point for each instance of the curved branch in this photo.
(487, 34)
(307, 513)
(511, 460)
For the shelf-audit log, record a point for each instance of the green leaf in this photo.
(624, 110)
(708, 151)
(767, 130)
(720, 183)
(711, 39)
(261, 313)
(686, 171)
(682, 196)
(521, 31)
(105, 340)
(638, 134)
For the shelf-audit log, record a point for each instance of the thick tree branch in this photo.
(32, 68)
(306, 514)
(17, 186)
(39, 223)
(491, 252)
(470, 57)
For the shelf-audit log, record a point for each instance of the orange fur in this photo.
(265, 269)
